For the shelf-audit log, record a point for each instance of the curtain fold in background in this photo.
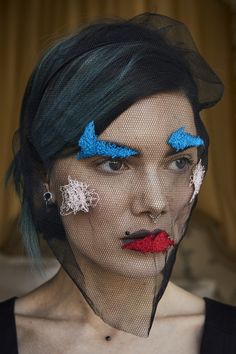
(30, 26)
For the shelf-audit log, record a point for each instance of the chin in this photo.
(134, 265)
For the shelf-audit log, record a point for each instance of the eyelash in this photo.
(190, 162)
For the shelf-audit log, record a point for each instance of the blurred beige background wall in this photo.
(28, 27)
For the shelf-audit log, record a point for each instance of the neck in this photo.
(67, 296)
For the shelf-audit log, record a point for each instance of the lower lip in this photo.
(153, 243)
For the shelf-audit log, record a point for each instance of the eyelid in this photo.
(109, 157)
(100, 162)
(181, 156)
(102, 159)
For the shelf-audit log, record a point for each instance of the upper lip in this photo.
(141, 233)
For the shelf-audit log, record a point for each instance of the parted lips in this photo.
(157, 241)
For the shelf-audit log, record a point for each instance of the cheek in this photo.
(179, 201)
(113, 204)
(179, 208)
(111, 209)
(113, 196)
(178, 193)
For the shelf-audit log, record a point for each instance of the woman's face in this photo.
(155, 181)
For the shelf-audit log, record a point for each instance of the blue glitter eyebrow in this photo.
(181, 140)
(91, 146)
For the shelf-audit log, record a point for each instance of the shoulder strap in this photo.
(8, 338)
(219, 333)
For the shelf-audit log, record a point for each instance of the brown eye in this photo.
(112, 165)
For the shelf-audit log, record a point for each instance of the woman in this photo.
(111, 156)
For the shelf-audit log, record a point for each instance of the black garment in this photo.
(8, 340)
(219, 332)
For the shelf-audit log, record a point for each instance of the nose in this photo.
(149, 196)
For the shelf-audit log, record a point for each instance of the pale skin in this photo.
(55, 318)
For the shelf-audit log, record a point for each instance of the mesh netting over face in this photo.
(124, 286)
(138, 81)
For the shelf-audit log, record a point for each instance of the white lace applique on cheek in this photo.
(196, 179)
(77, 197)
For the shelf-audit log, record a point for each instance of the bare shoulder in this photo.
(180, 321)
(32, 313)
(33, 328)
(179, 302)
(25, 316)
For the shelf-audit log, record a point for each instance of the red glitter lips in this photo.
(148, 241)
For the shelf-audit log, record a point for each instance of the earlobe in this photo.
(47, 183)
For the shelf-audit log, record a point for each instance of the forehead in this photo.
(151, 120)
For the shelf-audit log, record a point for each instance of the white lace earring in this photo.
(196, 179)
(77, 197)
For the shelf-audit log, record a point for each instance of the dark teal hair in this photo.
(95, 74)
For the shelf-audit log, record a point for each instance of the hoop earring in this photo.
(155, 218)
(47, 196)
